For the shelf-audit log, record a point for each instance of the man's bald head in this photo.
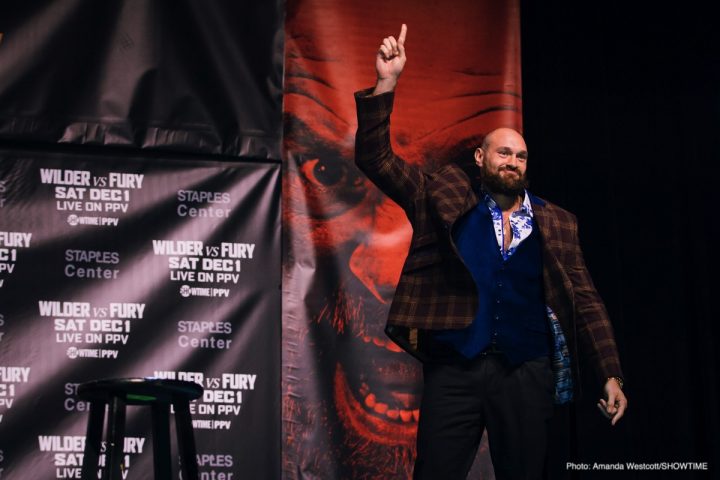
(502, 135)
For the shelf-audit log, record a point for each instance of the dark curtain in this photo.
(184, 76)
(621, 115)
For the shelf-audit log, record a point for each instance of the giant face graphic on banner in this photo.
(351, 397)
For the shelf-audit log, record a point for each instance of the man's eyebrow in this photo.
(303, 133)
(296, 73)
(508, 149)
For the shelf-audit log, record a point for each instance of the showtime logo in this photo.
(74, 220)
(188, 291)
(74, 352)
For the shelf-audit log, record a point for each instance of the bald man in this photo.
(494, 297)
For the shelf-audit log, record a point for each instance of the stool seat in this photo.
(114, 394)
(140, 391)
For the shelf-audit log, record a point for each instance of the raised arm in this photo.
(373, 152)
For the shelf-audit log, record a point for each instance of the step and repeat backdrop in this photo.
(125, 267)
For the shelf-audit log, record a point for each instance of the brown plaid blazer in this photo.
(436, 291)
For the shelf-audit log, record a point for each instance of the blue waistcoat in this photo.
(511, 312)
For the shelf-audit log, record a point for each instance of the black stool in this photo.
(159, 394)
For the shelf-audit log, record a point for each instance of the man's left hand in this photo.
(614, 404)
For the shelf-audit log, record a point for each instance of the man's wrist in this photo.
(385, 85)
(619, 381)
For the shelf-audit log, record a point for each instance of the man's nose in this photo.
(378, 260)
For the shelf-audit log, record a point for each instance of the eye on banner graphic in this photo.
(351, 397)
(122, 267)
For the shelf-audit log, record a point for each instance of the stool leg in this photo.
(114, 452)
(161, 441)
(93, 439)
(186, 440)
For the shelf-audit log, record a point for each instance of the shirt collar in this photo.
(525, 207)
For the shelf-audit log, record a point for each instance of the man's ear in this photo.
(479, 156)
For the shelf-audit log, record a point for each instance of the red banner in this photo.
(350, 396)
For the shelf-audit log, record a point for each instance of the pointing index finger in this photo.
(403, 34)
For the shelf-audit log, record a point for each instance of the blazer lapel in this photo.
(558, 288)
(545, 222)
(542, 218)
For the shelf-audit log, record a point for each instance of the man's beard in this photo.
(497, 183)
